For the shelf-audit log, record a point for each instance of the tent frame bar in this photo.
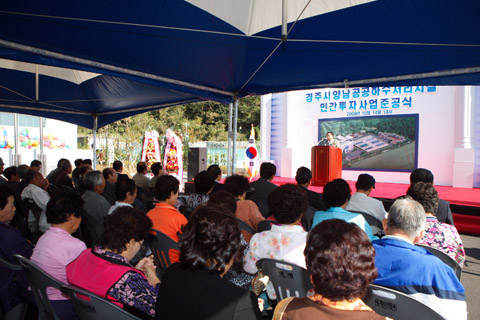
(104, 66)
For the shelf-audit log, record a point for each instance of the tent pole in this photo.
(37, 92)
(42, 157)
(94, 160)
(17, 142)
(234, 148)
(284, 20)
(229, 145)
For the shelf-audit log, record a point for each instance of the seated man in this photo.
(96, 206)
(164, 216)
(336, 194)
(37, 190)
(315, 199)
(143, 183)
(36, 165)
(62, 178)
(157, 171)
(413, 270)
(263, 187)
(110, 180)
(444, 213)
(11, 173)
(118, 167)
(362, 202)
(215, 170)
(286, 240)
(53, 174)
(75, 173)
(14, 284)
(2, 165)
(125, 193)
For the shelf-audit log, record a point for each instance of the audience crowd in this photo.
(92, 229)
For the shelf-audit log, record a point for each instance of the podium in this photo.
(326, 164)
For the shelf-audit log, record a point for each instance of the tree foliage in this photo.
(203, 121)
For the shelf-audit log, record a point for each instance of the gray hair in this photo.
(408, 216)
(92, 179)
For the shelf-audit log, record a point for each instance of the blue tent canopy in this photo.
(222, 50)
(77, 96)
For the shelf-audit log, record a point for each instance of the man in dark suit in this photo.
(215, 170)
(444, 213)
(118, 167)
(263, 187)
(315, 199)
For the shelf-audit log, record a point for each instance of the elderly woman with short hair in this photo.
(438, 235)
(57, 248)
(341, 263)
(106, 270)
(195, 288)
(247, 210)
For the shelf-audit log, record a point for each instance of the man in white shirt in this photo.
(362, 202)
(125, 193)
(37, 190)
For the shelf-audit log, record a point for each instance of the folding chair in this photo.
(243, 226)
(39, 282)
(186, 211)
(372, 221)
(449, 261)
(289, 280)
(265, 225)
(307, 218)
(89, 306)
(160, 245)
(397, 305)
(19, 311)
(37, 212)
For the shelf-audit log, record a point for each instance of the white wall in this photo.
(436, 138)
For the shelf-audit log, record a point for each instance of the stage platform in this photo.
(465, 202)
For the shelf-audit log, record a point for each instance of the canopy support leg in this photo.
(234, 147)
(230, 136)
(95, 128)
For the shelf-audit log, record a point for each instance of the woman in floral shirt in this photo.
(438, 235)
(203, 182)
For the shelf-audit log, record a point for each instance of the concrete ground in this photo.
(471, 275)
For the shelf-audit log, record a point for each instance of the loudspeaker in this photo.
(197, 161)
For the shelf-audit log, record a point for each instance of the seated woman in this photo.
(194, 288)
(106, 271)
(341, 263)
(438, 235)
(164, 216)
(56, 248)
(286, 239)
(247, 210)
(203, 182)
(235, 275)
(336, 194)
(14, 283)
